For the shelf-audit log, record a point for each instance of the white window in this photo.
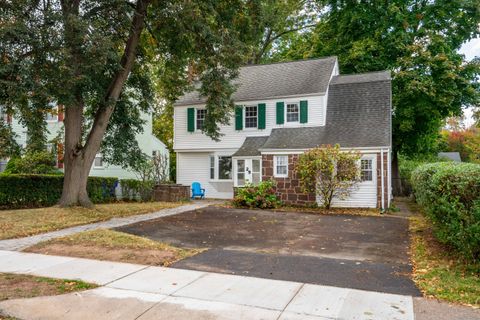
(52, 115)
(241, 172)
(201, 115)
(366, 169)
(280, 166)
(251, 116)
(224, 168)
(3, 114)
(221, 168)
(256, 174)
(212, 167)
(292, 112)
(98, 162)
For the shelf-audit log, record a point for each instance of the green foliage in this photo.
(137, 190)
(450, 194)
(8, 145)
(31, 191)
(328, 172)
(34, 162)
(259, 196)
(418, 42)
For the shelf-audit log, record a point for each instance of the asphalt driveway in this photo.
(369, 253)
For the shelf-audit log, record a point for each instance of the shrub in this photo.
(450, 194)
(30, 191)
(260, 196)
(40, 162)
(137, 190)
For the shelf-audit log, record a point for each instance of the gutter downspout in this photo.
(383, 193)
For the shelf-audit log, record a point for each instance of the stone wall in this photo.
(171, 192)
(288, 189)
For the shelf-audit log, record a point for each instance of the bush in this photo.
(137, 190)
(450, 194)
(33, 163)
(31, 191)
(260, 196)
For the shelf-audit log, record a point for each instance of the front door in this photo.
(248, 172)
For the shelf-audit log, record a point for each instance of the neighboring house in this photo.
(453, 156)
(283, 109)
(148, 143)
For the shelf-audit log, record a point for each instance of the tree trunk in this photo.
(397, 188)
(79, 158)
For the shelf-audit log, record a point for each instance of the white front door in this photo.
(248, 171)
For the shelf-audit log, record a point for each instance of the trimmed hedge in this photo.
(31, 191)
(450, 194)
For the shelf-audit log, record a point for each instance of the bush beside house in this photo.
(260, 196)
(30, 191)
(450, 194)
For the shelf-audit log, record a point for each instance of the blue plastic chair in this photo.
(197, 190)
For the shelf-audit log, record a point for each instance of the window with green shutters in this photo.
(303, 111)
(280, 112)
(191, 119)
(238, 118)
(261, 115)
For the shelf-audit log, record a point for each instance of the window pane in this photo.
(212, 167)
(201, 114)
(255, 178)
(256, 165)
(281, 165)
(251, 116)
(98, 162)
(224, 168)
(366, 166)
(292, 112)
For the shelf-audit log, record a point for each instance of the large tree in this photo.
(418, 41)
(94, 59)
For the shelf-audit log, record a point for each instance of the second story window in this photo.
(251, 116)
(201, 115)
(52, 115)
(292, 112)
(98, 162)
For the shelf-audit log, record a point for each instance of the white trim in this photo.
(372, 158)
(286, 122)
(275, 174)
(383, 183)
(244, 116)
(297, 151)
(239, 102)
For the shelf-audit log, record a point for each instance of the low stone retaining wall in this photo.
(171, 192)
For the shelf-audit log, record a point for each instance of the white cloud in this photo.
(471, 49)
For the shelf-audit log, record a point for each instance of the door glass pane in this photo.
(255, 177)
(256, 165)
(241, 172)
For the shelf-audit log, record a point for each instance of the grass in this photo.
(15, 286)
(112, 245)
(26, 222)
(438, 272)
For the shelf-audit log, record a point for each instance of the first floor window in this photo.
(366, 167)
(98, 162)
(212, 167)
(251, 116)
(224, 168)
(201, 115)
(292, 112)
(281, 166)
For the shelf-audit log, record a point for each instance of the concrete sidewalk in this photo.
(22, 243)
(131, 291)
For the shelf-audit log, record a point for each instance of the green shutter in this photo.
(280, 112)
(238, 118)
(303, 111)
(261, 115)
(191, 119)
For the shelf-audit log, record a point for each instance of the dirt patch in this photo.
(113, 246)
(14, 286)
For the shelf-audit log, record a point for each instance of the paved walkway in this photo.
(22, 243)
(131, 291)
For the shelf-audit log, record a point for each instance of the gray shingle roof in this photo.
(358, 115)
(250, 147)
(276, 80)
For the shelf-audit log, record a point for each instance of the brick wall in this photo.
(379, 180)
(288, 189)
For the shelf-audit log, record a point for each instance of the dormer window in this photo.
(292, 112)
(251, 116)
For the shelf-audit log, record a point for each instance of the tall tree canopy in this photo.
(418, 41)
(95, 59)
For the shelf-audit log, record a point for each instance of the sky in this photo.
(470, 49)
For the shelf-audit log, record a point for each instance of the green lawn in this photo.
(26, 222)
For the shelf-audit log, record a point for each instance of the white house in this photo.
(148, 143)
(283, 109)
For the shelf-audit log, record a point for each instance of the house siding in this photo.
(184, 140)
